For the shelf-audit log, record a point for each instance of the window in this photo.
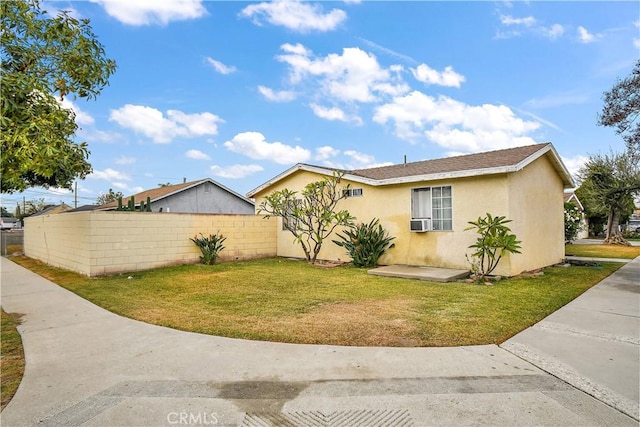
(353, 192)
(433, 203)
(288, 221)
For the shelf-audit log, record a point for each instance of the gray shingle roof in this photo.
(491, 159)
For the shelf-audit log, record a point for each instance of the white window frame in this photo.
(437, 214)
(353, 192)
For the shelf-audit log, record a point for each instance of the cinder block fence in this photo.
(98, 243)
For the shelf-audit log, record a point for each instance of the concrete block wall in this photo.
(98, 243)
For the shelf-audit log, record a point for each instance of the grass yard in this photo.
(12, 357)
(290, 301)
(603, 251)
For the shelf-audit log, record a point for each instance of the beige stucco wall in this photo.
(96, 243)
(531, 198)
(536, 206)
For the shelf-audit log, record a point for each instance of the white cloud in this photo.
(235, 171)
(109, 175)
(333, 113)
(353, 76)
(526, 21)
(455, 125)
(220, 67)
(573, 164)
(277, 96)
(424, 73)
(82, 118)
(636, 43)
(294, 15)
(254, 145)
(128, 189)
(123, 160)
(326, 152)
(147, 12)
(585, 36)
(197, 155)
(152, 123)
(553, 32)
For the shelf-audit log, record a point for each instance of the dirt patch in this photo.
(363, 323)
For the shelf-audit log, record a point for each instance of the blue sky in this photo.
(241, 91)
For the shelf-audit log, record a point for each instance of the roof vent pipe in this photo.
(184, 180)
(405, 159)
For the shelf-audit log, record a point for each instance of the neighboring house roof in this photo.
(160, 193)
(571, 197)
(53, 210)
(83, 208)
(491, 162)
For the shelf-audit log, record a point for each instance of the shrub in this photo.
(494, 240)
(572, 222)
(365, 243)
(209, 246)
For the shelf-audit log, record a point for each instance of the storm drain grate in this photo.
(364, 417)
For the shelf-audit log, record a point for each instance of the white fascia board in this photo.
(567, 179)
(443, 175)
(286, 173)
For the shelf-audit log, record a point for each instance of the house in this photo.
(54, 209)
(427, 205)
(202, 196)
(571, 197)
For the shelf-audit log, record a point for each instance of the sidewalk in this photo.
(593, 343)
(88, 367)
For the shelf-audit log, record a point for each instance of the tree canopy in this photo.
(44, 60)
(311, 215)
(622, 108)
(609, 184)
(110, 196)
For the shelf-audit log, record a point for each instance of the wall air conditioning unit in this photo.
(420, 225)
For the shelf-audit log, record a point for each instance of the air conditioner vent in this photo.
(420, 225)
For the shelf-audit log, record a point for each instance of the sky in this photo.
(241, 91)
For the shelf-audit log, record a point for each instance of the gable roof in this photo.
(160, 193)
(491, 162)
(55, 209)
(572, 197)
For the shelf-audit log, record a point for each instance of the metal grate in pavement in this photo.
(364, 417)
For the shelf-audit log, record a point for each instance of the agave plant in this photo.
(365, 243)
(210, 246)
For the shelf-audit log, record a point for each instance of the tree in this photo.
(109, 197)
(44, 60)
(312, 217)
(609, 183)
(622, 108)
(4, 213)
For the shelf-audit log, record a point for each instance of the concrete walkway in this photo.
(88, 367)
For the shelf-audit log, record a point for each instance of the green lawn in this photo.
(290, 301)
(12, 357)
(603, 251)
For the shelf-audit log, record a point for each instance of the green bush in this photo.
(365, 243)
(209, 246)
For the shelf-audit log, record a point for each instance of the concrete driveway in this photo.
(88, 367)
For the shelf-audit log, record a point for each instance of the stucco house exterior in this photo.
(202, 196)
(426, 205)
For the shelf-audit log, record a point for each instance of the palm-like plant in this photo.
(494, 241)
